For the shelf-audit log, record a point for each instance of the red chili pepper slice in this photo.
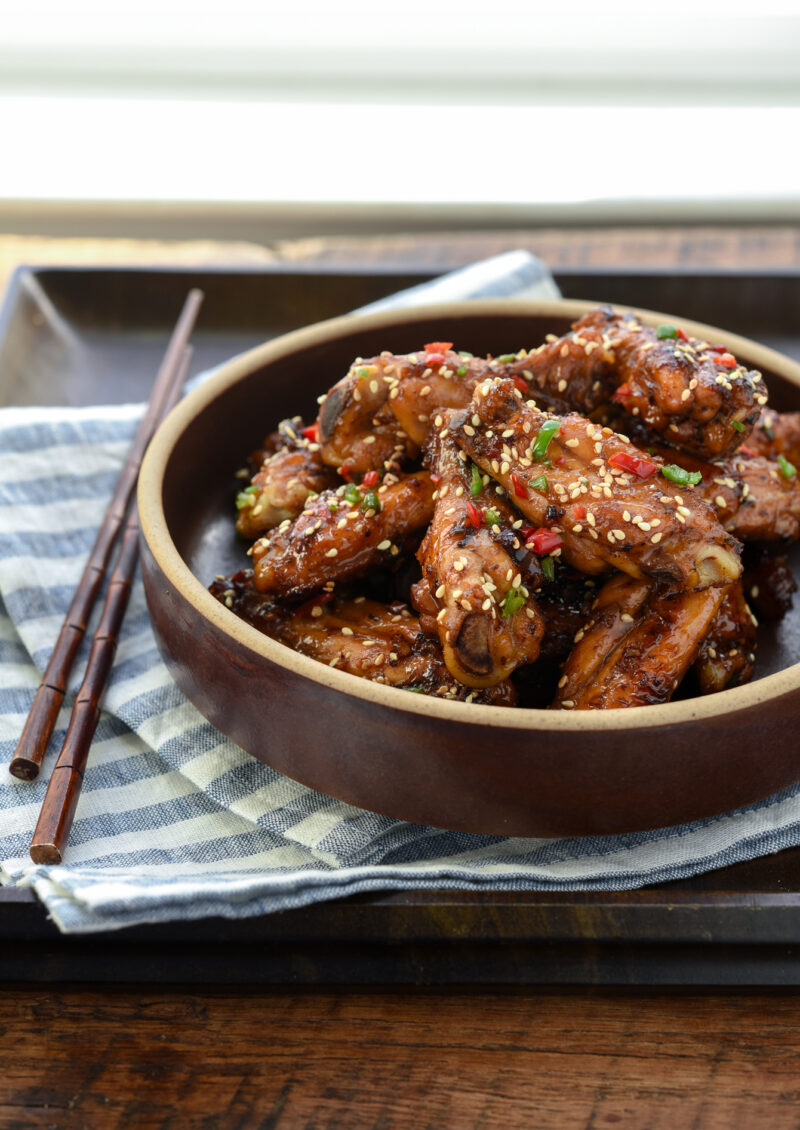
(435, 352)
(344, 471)
(718, 348)
(622, 392)
(370, 479)
(311, 433)
(726, 359)
(520, 490)
(436, 478)
(543, 541)
(644, 468)
(525, 532)
(746, 450)
(474, 515)
(579, 511)
(315, 602)
(521, 384)
(682, 334)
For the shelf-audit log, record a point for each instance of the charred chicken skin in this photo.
(487, 620)
(379, 642)
(600, 496)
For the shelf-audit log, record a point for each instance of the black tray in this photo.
(81, 336)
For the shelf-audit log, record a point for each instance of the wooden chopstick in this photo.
(64, 787)
(41, 719)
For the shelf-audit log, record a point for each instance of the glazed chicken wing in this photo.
(487, 619)
(592, 491)
(640, 641)
(727, 654)
(380, 412)
(693, 394)
(754, 497)
(777, 433)
(379, 642)
(342, 533)
(283, 482)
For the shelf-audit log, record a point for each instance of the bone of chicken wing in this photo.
(342, 534)
(726, 657)
(691, 393)
(379, 642)
(604, 499)
(639, 643)
(486, 617)
(283, 482)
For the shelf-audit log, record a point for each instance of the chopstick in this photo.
(64, 787)
(42, 716)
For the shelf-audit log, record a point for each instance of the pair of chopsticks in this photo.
(63, 789)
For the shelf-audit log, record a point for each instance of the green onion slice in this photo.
(539, 483)
(476, 484)
(678, 475)
(788, 470)
(548, 430)
(548, 568)
(513, 602)
(666, 331)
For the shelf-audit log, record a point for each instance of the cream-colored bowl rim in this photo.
(155, 531)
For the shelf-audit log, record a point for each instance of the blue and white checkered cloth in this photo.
(175, 821)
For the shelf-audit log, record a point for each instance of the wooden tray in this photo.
(82, 336)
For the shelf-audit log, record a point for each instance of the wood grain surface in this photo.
(132, 1060)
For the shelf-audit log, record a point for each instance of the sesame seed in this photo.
(347, 631)
(720, 502)
(384, 544)
(685, 394)
(470, 431)
(626, 616)
(626, 515)
(656, 538)
(562, 384)
(572, 443)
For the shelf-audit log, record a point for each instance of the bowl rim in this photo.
(155, 532)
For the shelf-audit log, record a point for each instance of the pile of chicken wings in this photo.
(589, 524)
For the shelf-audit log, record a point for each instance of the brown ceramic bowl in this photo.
(455, 765)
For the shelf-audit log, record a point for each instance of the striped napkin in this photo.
(174, 820)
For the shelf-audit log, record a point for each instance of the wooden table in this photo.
(153, 1059)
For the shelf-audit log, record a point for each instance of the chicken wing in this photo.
(727, 654)
(283, 482)
(777, 433)
(374, 641)
(592, 493)
(486, 617)
(342, 533)
(693, 394)
(637, 646)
